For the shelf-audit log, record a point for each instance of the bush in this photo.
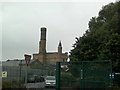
(67, 79)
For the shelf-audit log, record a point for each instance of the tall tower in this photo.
(60, 48)
(42, 43)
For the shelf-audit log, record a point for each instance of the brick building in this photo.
(49, 57)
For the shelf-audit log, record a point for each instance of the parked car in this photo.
(41, 79)
(31, 80)
(50, 81)
(35, 79)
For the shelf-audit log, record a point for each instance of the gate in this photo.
(83, 75)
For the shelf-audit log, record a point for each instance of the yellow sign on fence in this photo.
(4, 74)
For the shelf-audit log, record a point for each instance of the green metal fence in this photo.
(83, 74)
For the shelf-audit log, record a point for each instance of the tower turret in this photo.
(60, 48)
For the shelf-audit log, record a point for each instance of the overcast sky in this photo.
(21, 23)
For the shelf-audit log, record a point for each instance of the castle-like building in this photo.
(49, 57)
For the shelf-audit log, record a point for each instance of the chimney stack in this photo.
(42, 43)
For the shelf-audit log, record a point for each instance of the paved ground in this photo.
(37, 86)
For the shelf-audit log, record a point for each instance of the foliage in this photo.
(102, 40)
(66, 79)
(75, 69)
(67, 76)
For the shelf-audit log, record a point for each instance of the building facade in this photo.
(49, 57)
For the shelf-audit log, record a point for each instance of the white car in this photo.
(50, 81)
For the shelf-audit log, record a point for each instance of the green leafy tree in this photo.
(102, 40)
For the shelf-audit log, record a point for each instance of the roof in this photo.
(14, 62)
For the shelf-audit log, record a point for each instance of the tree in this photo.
(102, 40)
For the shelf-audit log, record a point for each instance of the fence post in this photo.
(20, 63)
(111, 73)
(57, 75)
(81, 72)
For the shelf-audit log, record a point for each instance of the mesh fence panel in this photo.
(84, 74)
(19, 74)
